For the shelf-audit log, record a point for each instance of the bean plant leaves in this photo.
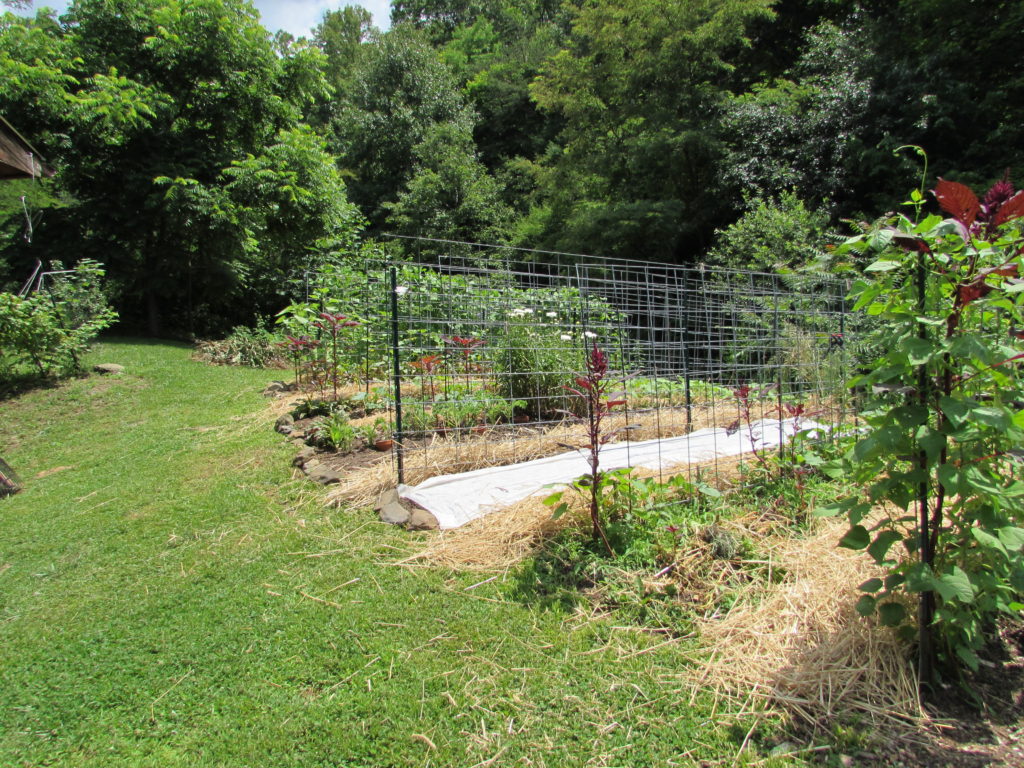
(919, 351)
(970, 347)
(955, 410)
(931, 441)
(968, 657)
(943, 387)
(986, 539)
(866, 605)
(993, 416)
(955, 585)
(871, 585)
(882, 266)
(1012, 538)
(949, 476)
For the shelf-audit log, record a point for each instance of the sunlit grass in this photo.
(171, 596)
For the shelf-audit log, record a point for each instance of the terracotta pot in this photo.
(384, 445)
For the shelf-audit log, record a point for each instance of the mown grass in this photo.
(171, 596)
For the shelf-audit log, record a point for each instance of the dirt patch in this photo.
(343, 463)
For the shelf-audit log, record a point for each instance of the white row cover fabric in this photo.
(456, 499)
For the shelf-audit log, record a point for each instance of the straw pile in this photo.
(797, 647)
(495, 542)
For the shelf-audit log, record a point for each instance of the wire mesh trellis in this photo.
(475, 344)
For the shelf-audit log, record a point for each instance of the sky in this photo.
(295, 16)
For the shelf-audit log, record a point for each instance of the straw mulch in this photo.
(500, 540)
(495, 542)
(443, 456)
(797, 647)
(791, 646)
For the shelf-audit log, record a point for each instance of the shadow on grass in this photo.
(556, 575)
(571, 569)
(21, 383)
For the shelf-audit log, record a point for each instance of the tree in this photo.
(399, 92)
(339, 35)
(953, 87)
(440, 19)
(146, 108)
(450, 195)
(639, 86)
(798, 132)
(495, 64)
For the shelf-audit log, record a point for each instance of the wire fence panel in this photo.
(480, 344)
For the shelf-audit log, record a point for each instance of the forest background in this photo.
(208, 162)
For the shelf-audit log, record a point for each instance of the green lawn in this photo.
(161, 579)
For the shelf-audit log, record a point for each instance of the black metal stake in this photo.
(926, 608)
(397, 361)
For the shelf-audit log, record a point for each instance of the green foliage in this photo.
(650, 525)
(313, 407)
(650, 520)
(795, 132)
(450, 195)
(773, 235)
(944, 417)
(340, 34)
(174, 126)
(50, 329)
(333, 433)
(652, 392)
(538, 353)
(399, 93)
(637, 169)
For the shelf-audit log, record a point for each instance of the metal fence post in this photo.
(397, 361)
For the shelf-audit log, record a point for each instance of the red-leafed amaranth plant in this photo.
(945, 419)
(593, 388)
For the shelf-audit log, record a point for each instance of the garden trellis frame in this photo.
(474, 345)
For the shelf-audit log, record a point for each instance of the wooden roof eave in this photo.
(18, 158)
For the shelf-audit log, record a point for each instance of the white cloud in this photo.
(295, 16)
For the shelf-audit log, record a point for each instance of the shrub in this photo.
(49, 330)
(333, 433)
(772, 235)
